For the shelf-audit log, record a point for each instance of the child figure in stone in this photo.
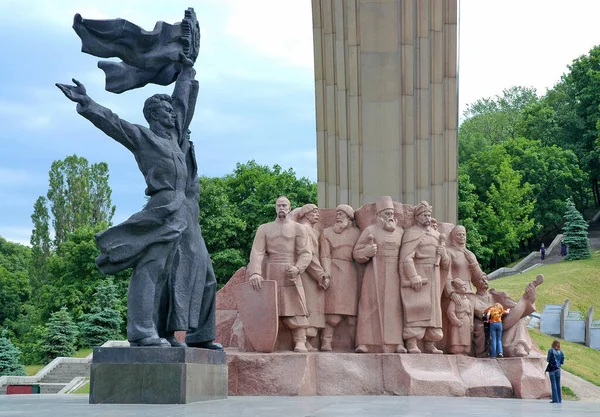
(460, 317)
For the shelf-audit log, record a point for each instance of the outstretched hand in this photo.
(75, 92)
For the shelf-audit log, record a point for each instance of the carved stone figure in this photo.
(286, 244)
(173, 285)
(515, 337)
(341, 299)
(464, 262)
(460, 316)
(424, 267)
(379, 308)
(314, 278)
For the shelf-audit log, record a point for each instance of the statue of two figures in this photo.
(172, 286)
(398, 281)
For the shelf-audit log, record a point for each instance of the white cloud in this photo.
(521, 43)
(277, 29)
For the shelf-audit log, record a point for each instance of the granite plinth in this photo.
(337, 373)
(142, 375)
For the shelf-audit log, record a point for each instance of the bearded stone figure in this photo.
(380, 318)
(424, 267)
(341, 298)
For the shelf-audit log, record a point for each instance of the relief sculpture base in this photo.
(289, 373)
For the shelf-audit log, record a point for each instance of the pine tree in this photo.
(9, 358)
(60, 338)
(104, 320)
(575, 231)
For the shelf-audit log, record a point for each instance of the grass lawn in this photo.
(85, 389)
(31, 370)
(576, 280)
(579, 360)
(83, 353)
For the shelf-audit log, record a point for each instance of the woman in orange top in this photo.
(495, 313)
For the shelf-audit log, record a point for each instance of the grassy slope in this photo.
(578, 281)
(579, 360)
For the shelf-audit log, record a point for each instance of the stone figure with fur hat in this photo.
(379, 323)
(314, 278)
(341, 298)
(424, 274)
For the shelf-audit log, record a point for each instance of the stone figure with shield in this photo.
(283, 247)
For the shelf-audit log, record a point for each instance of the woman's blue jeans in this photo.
(555, 384)
(496, 333)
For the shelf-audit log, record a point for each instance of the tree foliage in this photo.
(10, 363)
(60, 337)
(79, 195)
(104, 320)
(15, 288)
(74, 276)
(576, 234)
(40, 244)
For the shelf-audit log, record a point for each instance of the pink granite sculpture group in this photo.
(384, 278)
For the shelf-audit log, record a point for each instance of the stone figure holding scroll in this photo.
(173, 286)
(424, 274)
(379, 323)
(341, 298)
(314, 278)
(285, 246)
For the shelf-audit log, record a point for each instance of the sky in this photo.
(255, 71)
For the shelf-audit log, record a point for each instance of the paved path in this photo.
(342, 406)
(586, 391)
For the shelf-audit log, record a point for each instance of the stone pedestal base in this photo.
(334, 373)
(157, 375)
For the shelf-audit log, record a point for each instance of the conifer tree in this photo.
(104, 320)
(575, 231)
(60, 338)
(9, 358)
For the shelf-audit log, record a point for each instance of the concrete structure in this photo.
(150, 375)
(386, 85)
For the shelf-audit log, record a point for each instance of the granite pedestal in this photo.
(139, 375)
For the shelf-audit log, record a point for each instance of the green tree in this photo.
(9, 357)
(60, 337)
(27, 332)
(40, 244)
(104, 320)
(575, 231)
(79, 195)
(490, 121)
(15, 288)
(553, 174)
(74, 276)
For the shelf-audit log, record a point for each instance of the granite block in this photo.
(141, 375)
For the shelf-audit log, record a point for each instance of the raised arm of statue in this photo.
(126, 133)
(185, 94)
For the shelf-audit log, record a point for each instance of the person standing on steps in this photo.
(543, 252)
(555, 359)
